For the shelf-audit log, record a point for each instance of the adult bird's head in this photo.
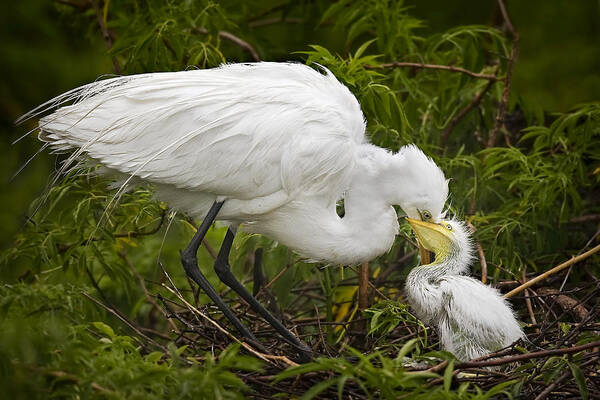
(450, 240)
(424, 187)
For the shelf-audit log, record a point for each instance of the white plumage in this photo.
(472, 319)
(279, 143)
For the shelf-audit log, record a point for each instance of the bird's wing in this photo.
(239, 131)
(477, 316)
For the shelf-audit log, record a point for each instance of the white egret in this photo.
(472, 319)
(268, 146)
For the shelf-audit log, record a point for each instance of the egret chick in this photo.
(472, 319)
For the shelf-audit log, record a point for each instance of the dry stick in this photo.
(552, 271)
(483, 263)
(108, 38)
(372, 286)
(552, 386)
(363, 287)
(585, 218)
(265, 357)
(81, 6)
(144, 288)
(122, 318)
(234, 39)
(528, 356)
(507, 81)
(399, 64)
(565, 302)
(275, 279)
(511, 359)
(528, 302)
(475, 102)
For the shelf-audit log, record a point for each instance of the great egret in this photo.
(270, 146)
(472, 319)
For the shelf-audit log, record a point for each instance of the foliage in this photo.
(90, 360)
(530, 193)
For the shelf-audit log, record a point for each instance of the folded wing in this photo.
(241, 130)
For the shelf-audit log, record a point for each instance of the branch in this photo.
(106, 34)
(585, 218)
(507, 21)
(567, 303)
(263, 356)
(552, 271)
(475, 102)
(528, 356)
(363, 287)
(139, 278)
(82, 6)
(507, 81)
(120, 316)
(235, 40)
(398, 64)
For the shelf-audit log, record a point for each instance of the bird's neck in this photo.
(448, 261)
(423, 288)
(312, 228)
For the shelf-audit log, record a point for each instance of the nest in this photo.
(558, 359)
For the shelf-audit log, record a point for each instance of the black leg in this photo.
(190, 265)
(258, 275)
(224, 272)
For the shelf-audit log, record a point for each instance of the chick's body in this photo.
(472, 319)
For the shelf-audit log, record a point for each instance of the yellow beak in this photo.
(431, 237)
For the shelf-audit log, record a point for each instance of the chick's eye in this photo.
(449, 227)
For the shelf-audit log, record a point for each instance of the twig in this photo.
(135, 234)
(62, 248)
(65, 376)
(528, 356)
(274, 20)
(528, 301)
(552, 271)
(389, 270)
(566, 303)
(84, 5)
(483, 263)
(552, 386)
(518, 357)
(507, 81)
(106, 34)
(265, 357)
(450, 68)
(475, 102)
(372, 286)
(506, 18)
(585, 218)
(235, 40)
(143, 286)
(124, 320)
(363, 287)
(275, 278)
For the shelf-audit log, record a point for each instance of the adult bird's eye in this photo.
(426, 215)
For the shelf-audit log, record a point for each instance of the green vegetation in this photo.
(84, 302)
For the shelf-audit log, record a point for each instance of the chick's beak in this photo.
(431, 237)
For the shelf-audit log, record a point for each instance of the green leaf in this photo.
(107, 330)
(154, 357)
(448, 375)
(579, 380)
